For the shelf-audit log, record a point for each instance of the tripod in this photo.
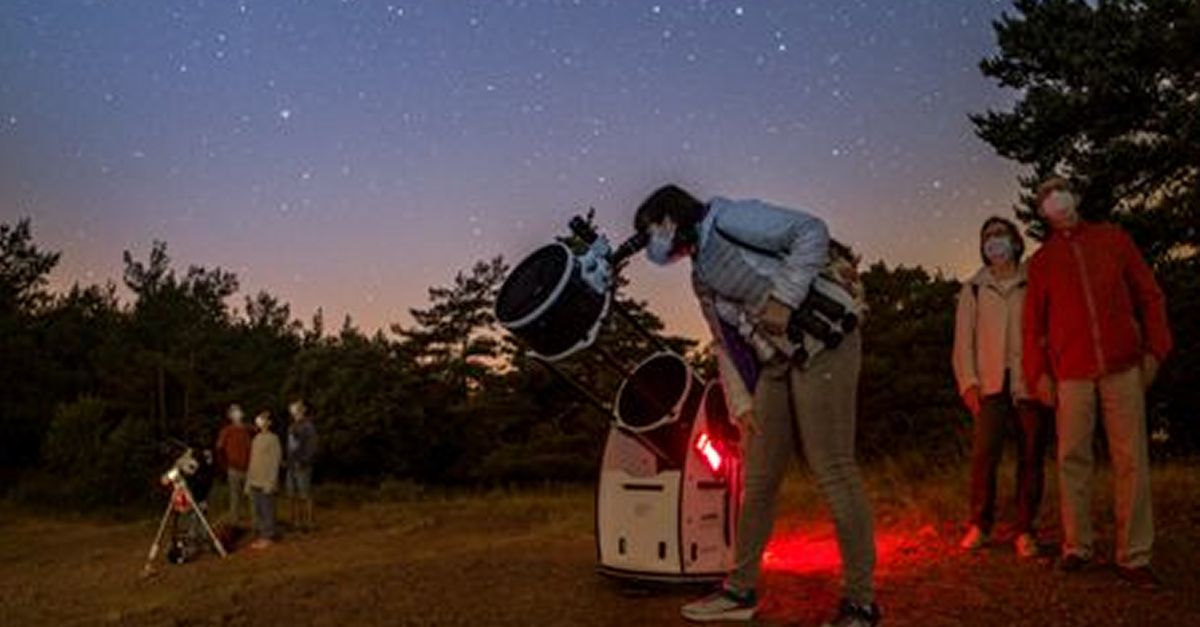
(180, 494)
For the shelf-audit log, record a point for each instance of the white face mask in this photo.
(998, 249)
(1059, 205)
(662, 242)
(236, 415)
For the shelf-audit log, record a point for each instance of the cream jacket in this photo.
(987, 333)
(266, 455)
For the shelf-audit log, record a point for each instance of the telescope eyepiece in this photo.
(630, 247)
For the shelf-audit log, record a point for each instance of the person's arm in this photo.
(1148, 300)
(1034, 342)
(737, 392)
(252, 470)
(801, 240)
(963, 356)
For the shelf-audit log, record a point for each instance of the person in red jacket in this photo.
(233, 455)
(1095, 326)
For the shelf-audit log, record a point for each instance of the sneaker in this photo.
(1142, 577)
(1026, 546)
(975, 539)
(1073, 563)
(723, 604)
(856, 615)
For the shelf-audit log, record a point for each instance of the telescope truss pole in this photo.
(628, 317)
(587, 394)
(599, 404)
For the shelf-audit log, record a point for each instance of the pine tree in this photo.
(1108, 94)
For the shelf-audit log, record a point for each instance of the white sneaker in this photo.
(721, 605)
(1026, 546)
(975, 539)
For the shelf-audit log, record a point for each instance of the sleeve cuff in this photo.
(966, 385)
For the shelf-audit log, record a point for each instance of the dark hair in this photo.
(668, 201)
(1013, 231)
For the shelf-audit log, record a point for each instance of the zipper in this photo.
(1094, 322)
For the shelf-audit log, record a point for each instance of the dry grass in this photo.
(526, 558)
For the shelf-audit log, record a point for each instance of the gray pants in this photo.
(264, 513)
(237, 488)
(818, 403)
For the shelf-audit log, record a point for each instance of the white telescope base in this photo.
(675, 525)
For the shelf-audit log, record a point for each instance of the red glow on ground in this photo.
(709, 451)
(814, 549)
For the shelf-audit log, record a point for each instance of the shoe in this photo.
(261, 544)
(975, 539)
(1026, 546)
(1073, 563)
(723, 604)
(856, 615)
(1142, 577)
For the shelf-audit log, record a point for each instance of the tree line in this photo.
(94, 386)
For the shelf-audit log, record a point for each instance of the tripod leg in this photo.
(162, 526)
(204, 521)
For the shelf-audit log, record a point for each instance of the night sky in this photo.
(350, 154)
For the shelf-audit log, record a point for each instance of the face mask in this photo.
(998, 249)
(662, 242)
(1059, 205)
(236, 415)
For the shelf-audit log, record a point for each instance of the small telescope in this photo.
(182, 503)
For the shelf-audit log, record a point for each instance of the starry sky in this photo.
(349, 154)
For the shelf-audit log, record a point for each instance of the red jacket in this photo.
(233, 447)
(1092, 306)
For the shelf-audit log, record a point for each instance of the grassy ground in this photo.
(527, 559)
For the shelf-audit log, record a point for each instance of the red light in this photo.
(180, 502)
(708, 449)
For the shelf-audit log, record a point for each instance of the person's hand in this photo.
(774, 317)
(970, 398)
(747, 424)
(1149, 370)
(1045, 391)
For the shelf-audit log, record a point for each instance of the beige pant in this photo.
(818, 404)
(1122, 407)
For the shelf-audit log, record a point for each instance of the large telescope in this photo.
(670, 475)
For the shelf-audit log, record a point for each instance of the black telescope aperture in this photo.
(651, 394)
(545, 302)
(531, 282)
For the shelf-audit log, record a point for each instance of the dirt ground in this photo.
(528, 559)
